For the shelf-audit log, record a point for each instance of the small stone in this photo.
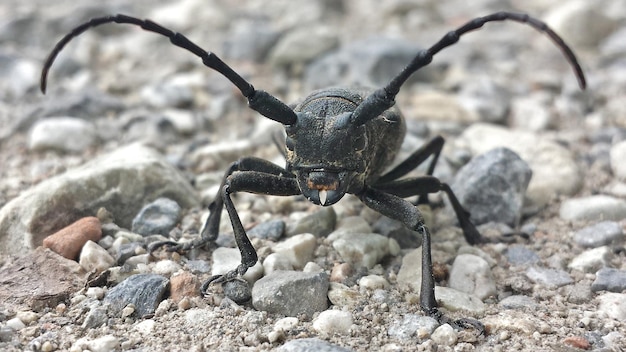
(577, 342)
(70, 240)
(185, 284)
(373, 282)
(158, 217)
(66, 134)
(391, 228)
(145, 327)
(609, 279)
(599, 234)
(227, 259)
(103, 344)
(312, 267)
(613, 305)
(517, 302)
(412, 325)
(454, 300)
(128, 310)
(276, 261)
(166, 267)
(298, 249)
(410, 273)
(333, 322)
(15, 324)
(618, 155)
(548, 277)
(144, 291)
(520, 255)
(94, 257)
(444, 335)
(341, 295)
(310, 344)
(360, 249)
(472, 274)
(493, 186)
(286, 324)
(591, 260)
(95, 292)
(341, 272)
(302, 45)
(96, 317)
(27, 317)
(593, 208)
(291, 293)
(237, 290)
(270, 230)
(320, 223)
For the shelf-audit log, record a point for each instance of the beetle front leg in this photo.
(211, 227)
(253, 182)
(399, 209)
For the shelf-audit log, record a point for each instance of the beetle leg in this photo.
(433, 148)
(399, 209)
(428, 184)
(212, 224)
(253, 182)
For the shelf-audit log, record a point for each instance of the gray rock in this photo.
(517, 302)
(492, 186)
(485, 98)
(302, 45)
(520, 255)
(580, 23)
(144, 291)
(320, 223)
(454, 300)
(554, 170)
(96, 317)
(250, 40)
(361, 249)
(609, 279)
(593, 208)
(472, 274)
(158, 217)
(548, 277)
(269, 230)
(618, 155)
(310, 345)
(613, 305)
(591, 260)
(65, 134)
(237, 290)
(412, 325)
(120, 182)
(291, 293)
(126, 251)
(600, 234)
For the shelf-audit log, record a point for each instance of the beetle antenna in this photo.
(383, 98)
(259, 100)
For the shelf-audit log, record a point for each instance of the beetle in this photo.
(338, 141)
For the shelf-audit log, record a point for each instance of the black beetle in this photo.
(338, 141)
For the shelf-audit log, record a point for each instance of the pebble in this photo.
(609, 279)
(591, 260)
(554, 170)
(373, 282)
(454, 300)
(158, 217)
(341, 295)
(95, 292)
(65, 134)
(618, 155)
(612, 305)
(102, 182)
(410, 273)
(412, 325)
(548, 277)
(302, 44)
(286, 324)
(493, 186)
(361, 249)
(472, 274)
(101, 344)
(593, 208)
(184, 284)
(15, 324)
(484, 97)
(580, 24)
(320, 223)
(269, 230)
(520, 255)
(237, 290)
(145, 327)
(291, 293)
(166, 267)
(94, 257)
(444, 335)
(391, 228)
(276, 261)
(144, 291)
(310, 344)
(599, 234)
(250, 40)
(298, 249)
(70, 240)
(517, 302)
(96, 317)
(341, 272)
(227, 259)
(333, 322)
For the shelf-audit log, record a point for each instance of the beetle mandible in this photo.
(338, 141)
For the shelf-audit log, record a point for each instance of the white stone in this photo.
(15, 324)
(333, 322)
(166, 267)
(444, 335)
(94, 257)
(472, 274)
(297, 249)
(226, 259)
(145, 327)
(286, 324)
(591, 260)
(276, 261)
(613, 305)
(593, 208)
(362, 249)
(618, 160)
(373, 282)
(66, 134)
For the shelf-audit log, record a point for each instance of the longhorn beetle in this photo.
(338, 141)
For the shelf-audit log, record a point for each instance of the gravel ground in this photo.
(130, 143)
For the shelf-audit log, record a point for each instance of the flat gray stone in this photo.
(144, 291)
